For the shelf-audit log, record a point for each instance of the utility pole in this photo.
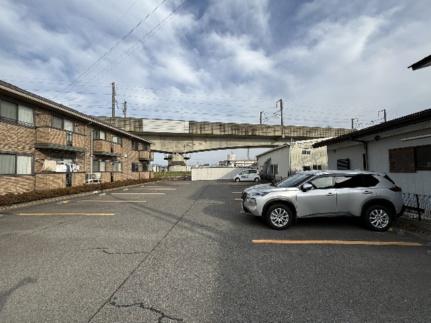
(353, 122)
(125, 109)
(281, 116)
(384, 115)
(113, 99)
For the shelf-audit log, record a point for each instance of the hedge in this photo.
(11, 198)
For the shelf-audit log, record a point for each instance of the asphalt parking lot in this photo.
(183, 251)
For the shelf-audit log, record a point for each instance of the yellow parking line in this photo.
(340, 242)
(64, 214)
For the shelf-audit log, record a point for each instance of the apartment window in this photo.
(99, 134)
(306, 152)
(23, 165)
(15, 164)
(14, 112)
(68, 125)
(117, 166)
(135, 145)
(57, 122)
(317, 167)
(99, 166)
(25, 115)
(116, 139)
(274, 169)
(7, 164)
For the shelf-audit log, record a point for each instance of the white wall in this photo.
(351, 150)
(278, 157)
(214, 173)
(296, 162)
(378, 155)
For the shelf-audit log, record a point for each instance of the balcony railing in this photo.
(146, 155)
(106, 148)
(57, 139)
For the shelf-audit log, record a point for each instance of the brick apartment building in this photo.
(46, 145)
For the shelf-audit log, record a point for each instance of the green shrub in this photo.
(11, 198)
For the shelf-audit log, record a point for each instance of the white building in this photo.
(400, 148)
(281, 161)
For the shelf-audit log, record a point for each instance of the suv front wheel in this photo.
(279, 216)
(378, 218)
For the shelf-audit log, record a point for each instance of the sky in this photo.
(223, 60)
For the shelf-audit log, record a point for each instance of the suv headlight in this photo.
(260, 193)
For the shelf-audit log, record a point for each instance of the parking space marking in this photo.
(64, 214)
(238, 199)
(138, 193)
(236, 192)
(160, 188)
(340, 242)
(112, 201)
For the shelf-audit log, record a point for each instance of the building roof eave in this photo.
(409, 119)
(18, 92)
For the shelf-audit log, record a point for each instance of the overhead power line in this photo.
(116, 44)
(142, 39)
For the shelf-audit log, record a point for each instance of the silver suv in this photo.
(372, 196)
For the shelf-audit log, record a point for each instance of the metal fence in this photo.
(417, 205)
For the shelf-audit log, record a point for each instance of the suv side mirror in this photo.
(306, 187)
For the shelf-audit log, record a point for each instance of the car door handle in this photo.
(367, 192)
(330, 194)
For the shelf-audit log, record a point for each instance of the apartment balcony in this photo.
(146, 155)
(106, 148)
(57, 139)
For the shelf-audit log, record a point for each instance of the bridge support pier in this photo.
(177, 162)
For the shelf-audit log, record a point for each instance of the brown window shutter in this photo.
(402, 160)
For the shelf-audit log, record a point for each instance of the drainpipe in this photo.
(365, 143)
(91, 153)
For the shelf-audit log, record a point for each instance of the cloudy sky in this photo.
(222, 60)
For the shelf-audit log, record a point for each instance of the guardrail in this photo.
(418, 204)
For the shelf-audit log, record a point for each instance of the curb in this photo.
(65, 197)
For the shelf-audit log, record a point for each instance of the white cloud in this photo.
(223, 59)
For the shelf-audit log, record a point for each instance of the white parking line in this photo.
(238, 199)
(138, 193)
(236, 192)
(112, 201)
(64, 214)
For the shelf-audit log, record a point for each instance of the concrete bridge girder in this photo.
(179, 144)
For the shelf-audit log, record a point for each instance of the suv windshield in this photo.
(295, 180)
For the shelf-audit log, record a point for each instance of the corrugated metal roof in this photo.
(24, 94)
(407, 120)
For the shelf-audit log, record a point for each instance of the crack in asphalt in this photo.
(111, 297)
(149, 308)
(110, 252)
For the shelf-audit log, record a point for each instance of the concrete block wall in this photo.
(214, 173)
